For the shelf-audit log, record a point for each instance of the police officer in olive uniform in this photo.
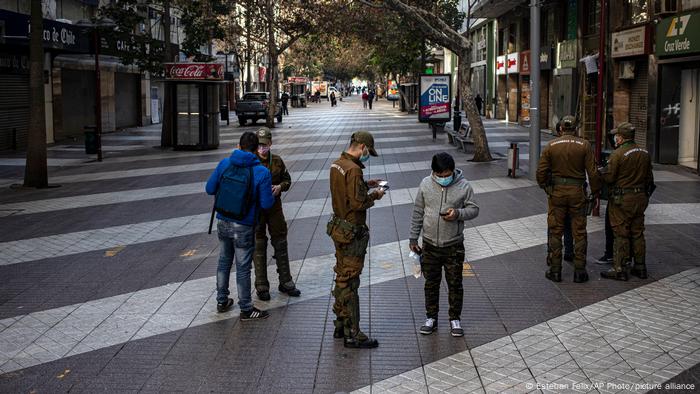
(631, 181)
(348, 229)
(273, 221)
(562, 173)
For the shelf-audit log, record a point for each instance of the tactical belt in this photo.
(568, 181)
(344, 224)
(629, 190)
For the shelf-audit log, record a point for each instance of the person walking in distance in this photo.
(479, 103)
(348, 229)
(364, 99)
(370, 98)
(562, 173)
(629, 174)
(443, 202)
(273, 221)
(285, 102)
(242, 187)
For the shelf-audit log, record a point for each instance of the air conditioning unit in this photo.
(665, 7)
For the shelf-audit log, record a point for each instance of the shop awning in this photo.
(493, 8)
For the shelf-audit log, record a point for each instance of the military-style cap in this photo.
(625, 129)
(264, 135)
(364, 137)
(568, 123)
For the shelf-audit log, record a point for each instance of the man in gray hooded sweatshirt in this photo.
(443, 202)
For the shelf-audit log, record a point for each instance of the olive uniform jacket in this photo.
(349, 190)
(629, 167)
(280, 175)
(568, 156)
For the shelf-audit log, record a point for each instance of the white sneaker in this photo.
(456, 328)
(429, 326)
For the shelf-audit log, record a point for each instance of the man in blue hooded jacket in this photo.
(237, 237)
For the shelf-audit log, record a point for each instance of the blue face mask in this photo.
(364, 156)
(444, 182)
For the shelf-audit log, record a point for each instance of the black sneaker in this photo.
(605, 259)
(429, 326)
(254, 314)
(222, 307)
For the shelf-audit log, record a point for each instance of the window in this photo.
(501, 42)
(525, 35)
(593, 17)
(635, 11)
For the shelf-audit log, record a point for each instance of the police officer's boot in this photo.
(640, 268)
(357, 339)
(580, 275)
(613, 274)
(262, 286)
(554, 276)
(281, 256)
(339, 331)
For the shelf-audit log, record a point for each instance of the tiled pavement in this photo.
(107, 282)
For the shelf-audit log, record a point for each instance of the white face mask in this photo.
(263, 150)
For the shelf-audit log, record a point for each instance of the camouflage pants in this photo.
(349, 262)
(434, 260)
(627, 222)
(271, 221)
(566, 199)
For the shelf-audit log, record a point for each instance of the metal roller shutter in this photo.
(14, 110)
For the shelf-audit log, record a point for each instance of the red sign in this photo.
(261, 73)
(525, 62)
(298, 79)
(194, 71)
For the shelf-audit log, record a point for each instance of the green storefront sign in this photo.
(678, 35)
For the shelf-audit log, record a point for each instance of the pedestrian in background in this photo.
(365, 96)
(562, 171)
(333, 100)
(444, 201)
(629, 174)
(348, 228)
(273, 221)
(370, 98)
(237, 237)
(479, 103)
(285, 101)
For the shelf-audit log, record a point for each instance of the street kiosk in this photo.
(194, 98)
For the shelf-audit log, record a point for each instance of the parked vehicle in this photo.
(253, 106)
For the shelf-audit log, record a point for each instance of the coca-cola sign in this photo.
(194, 71)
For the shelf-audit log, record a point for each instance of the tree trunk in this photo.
(35, 172)
(481, 144)
(270, 76)
(166, 133)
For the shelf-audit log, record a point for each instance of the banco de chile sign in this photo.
(678, 35)
(434, 104)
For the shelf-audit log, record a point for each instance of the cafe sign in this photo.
(194, 71)
(545, 59)
(678, 35)
(630, 42)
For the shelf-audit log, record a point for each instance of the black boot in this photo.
(639, 271)
(617, 275)
(360, 343)
(554, 276)
(290, 291)
(580, 275)
(263, 295)
(338, 333)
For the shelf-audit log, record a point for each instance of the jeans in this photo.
(236, 241)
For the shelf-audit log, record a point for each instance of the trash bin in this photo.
(90, 140)
(223, 109)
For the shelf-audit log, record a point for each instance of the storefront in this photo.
(678, 111)
(630, 50)
(58, 38)
(545, 59)
(564, 87)
(507, 89)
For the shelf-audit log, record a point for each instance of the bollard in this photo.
(513, 159)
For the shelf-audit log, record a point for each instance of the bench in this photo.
(462, 137)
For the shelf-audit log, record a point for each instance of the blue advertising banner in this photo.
(435, 104)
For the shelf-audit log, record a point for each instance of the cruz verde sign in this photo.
(678, 35)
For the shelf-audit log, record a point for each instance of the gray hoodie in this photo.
(431, 199)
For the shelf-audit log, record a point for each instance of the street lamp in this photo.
(96, 25)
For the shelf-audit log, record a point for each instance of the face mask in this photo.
(364, 156)
(618, 141)
(444, 182)
(263, 150)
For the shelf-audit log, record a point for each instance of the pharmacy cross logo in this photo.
(678, 26)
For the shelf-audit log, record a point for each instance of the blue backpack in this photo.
(234, 196)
